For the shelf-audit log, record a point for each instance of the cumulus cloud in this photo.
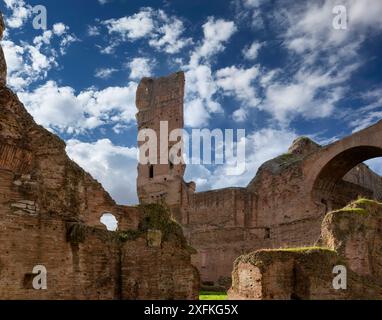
(59, 28)
(196, 114)
(200, 91)
(201, 86)
(239, 84)
(163, 32)
(140, 67)
(310, 93)
(60, 109)
(216, 34)
(133, 27)
(169, 35)
(30, 62)
(26, 64)
(113, 166)
(20, 12)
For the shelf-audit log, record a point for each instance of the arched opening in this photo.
(335, 191)
(110, 221)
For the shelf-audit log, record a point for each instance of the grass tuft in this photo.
(210, 295)
(298, 249)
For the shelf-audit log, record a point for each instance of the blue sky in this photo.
(275, 68)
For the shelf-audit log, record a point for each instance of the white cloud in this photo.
(45, 38)
(216, 34)
(60, 109)
(201, 86)
(30, 62)
(26, 64)
(164, 32)
(195, 113)
(109, 100)
(239, 83)
(249, 12)
(261, 146)
(200, 91)
(312, 25)
(365, 121)
(169, 36)
(251, 52)
(114, 166)
(105, 73)
(240, 115)
(373, 98)
(318, 79)
(93, 31)
(66, 41)
(140, 67)
(133, 27)
(20, 13)
(285, 101)
(59, 28)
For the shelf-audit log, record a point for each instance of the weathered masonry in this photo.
(282, 206)
(50, 212)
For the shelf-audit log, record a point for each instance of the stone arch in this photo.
(324, 169)
(335, 169)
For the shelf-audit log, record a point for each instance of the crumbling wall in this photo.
(87, 262)
(274, 210)
(164, 255)
(350, 237)
(76, 269)
(50, 212)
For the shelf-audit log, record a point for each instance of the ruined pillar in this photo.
(160, 108)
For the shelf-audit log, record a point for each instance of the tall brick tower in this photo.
(161, 101)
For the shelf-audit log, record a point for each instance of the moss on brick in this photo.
(75, 232)
(265, 257)
(300, 249)
(360, 206)
(156, 217)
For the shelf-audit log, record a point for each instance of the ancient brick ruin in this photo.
(50, 212)
(350, 238)
(284, 204)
